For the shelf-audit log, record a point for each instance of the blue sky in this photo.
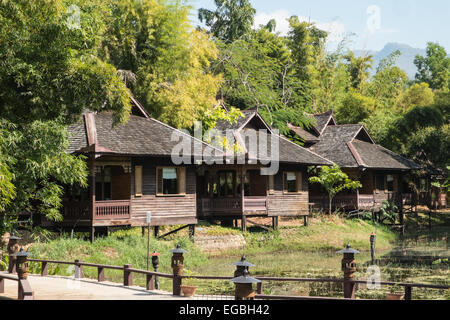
(374, 22)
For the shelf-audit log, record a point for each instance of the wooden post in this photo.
(92, 196)
(127, 275)
(408, 293)
(2, 285)
(101, 274)
(275, 223)
(305, 221)
(176, 285)
(242, 191)
(150, 280)
(44, 268)
(156, 231)
(349, 289)
(244, 223)
(78, 269)
(259, 288)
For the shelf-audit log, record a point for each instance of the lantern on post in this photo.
(349, 269)
(241, 265)
(155, 264)
(177, 268)
(21, 259)
(244, 286)
(178, 260)
(13, 247)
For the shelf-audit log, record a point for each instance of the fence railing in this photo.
(24, 289)
(128, 271)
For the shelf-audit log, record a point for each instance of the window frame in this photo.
(181, 175)
(298, 182)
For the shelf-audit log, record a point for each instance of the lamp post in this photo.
(22, 264)
(13, 247)
(349, 269)
(177, 268)
(241, 265)
(244, 286)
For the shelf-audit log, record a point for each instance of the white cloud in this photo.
(335, 29)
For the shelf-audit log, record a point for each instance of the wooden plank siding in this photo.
(282, 204)
(166, 210)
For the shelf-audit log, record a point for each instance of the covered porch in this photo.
(231, 192)
(107, 199)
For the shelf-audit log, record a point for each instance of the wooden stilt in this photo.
(92, 234)
(156, 231)
(244, 224)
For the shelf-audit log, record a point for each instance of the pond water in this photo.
(416, 259)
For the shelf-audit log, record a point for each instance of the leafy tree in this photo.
(259, 72)
(434, 69)
(40, 166)
(166, 61)
(230, 21)
(333, 180)
(331, 80)
(418, 94)
(49, 67)
(359, 69)
(430, 146)
(306, 42)
(380, 123)
(50, 73)
(355, 108)
(388, 82)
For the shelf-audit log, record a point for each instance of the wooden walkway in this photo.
(66, 288)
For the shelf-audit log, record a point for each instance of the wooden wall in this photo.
(282, 204)
(166, 210)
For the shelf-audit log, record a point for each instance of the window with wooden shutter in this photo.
(138, 181)
(271, 184)
(181, 180)
(170, 181)
(290, 182)
(299, 181)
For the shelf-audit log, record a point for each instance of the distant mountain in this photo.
(405, 61)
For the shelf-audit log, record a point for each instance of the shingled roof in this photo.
(322, 120)
(350, 146)
(139, 136)
(288, 152)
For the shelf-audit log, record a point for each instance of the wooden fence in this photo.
(128, 271)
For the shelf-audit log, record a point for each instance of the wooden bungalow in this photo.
(379, 170)
(237, 191)
(131, 173)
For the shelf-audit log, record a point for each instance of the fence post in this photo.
(44, 268)
(2, 285)
(101, 274)
(127, 275)
(78, 269)
(408, 293)
(259, 288)
(176, 286)
(150, 282)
